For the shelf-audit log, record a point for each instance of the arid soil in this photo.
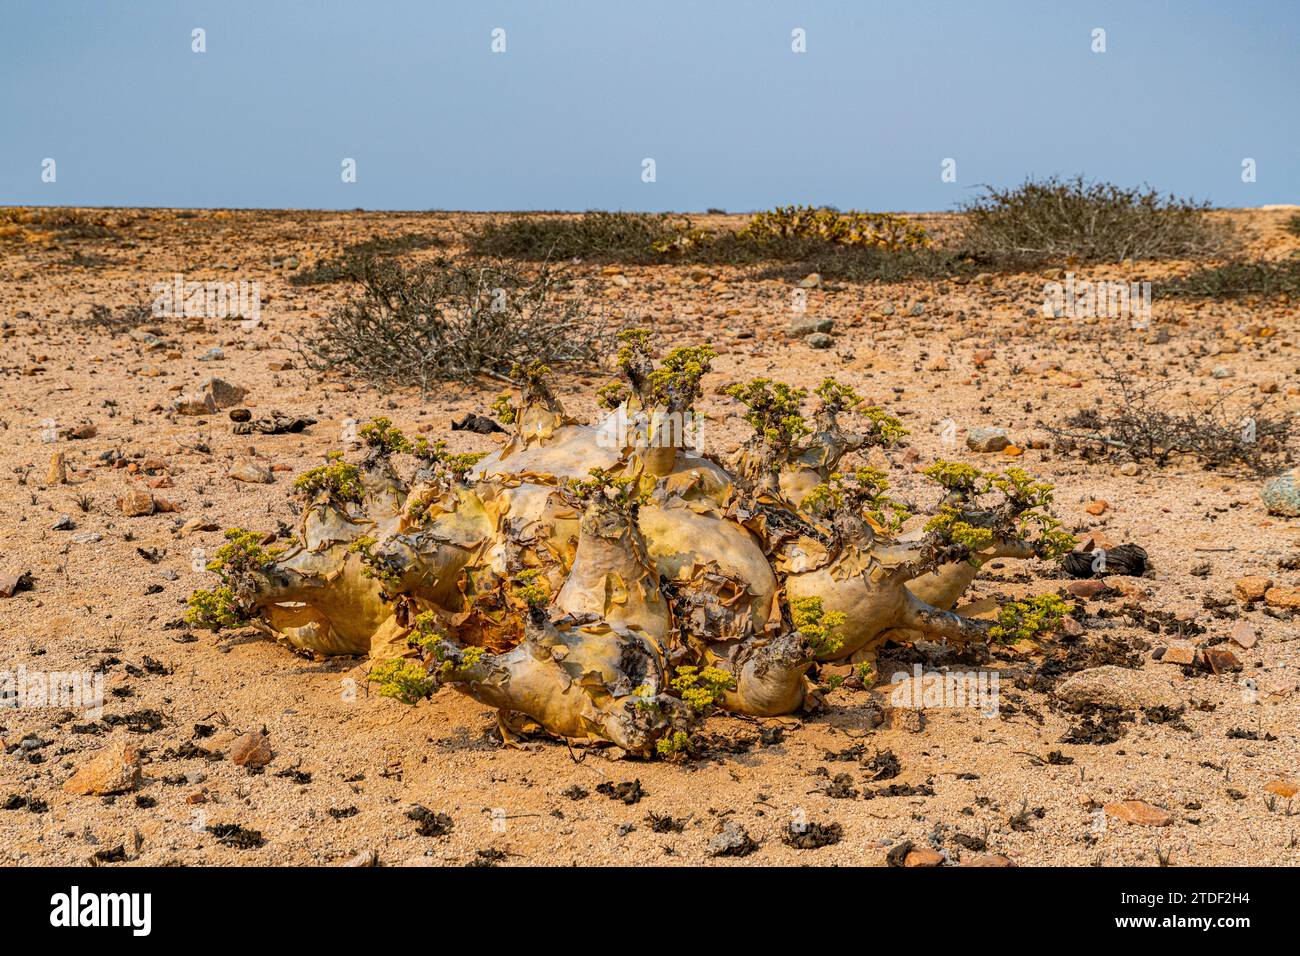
(107, 589)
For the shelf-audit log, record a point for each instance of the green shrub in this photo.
(402, 679)
(817, 625)
(702, 687)
(1025, 620)
(860, 229)
(860, 249)
(235, 563)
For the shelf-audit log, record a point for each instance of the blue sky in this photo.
(585, 91)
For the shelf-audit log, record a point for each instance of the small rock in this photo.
(1243, 635)
(115, 769)
(1129, 469)
(1087, 588)
(731, 840)
(1097, 507)
(1286, 789)
(11, 584)
(198, 524)
(364, 858)
(812, 280)
(212, 395)
(1220, 660)
(819, 340)
(58, 471)
(987, 439)
(923, 856)
(1140, 813)
(251, 472)
(137, 503)
(988, 859)
(1281, 495)
(1288, 598)
(1123, 687)
(251, 750)
(1252, 588)
(1180, 653)
(802, 328)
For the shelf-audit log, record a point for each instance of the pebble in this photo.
(1243, 635)
(1140, 813)
(116, 769)
(213, 394)
(1288, 598)
(1252, 587)
(1281, 495)
(987, 439)
(251, 750)
(137, 503)
(801, 328)
(251, 472)
(731, 840)
(1121, 687)
(923, 856)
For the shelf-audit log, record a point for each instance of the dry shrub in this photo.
(595, 236)
(1237, 280)
(348, 266)
(102, 318)
(863, 263)
(446, 320)
(1055, 220)
(1137, 426)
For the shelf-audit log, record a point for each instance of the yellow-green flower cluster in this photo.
(817, 625)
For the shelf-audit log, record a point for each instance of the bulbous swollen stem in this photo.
(770, 676)
(944, 586)
(937, 623)
(578, 683)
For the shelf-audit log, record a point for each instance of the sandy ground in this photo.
(106, 591)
